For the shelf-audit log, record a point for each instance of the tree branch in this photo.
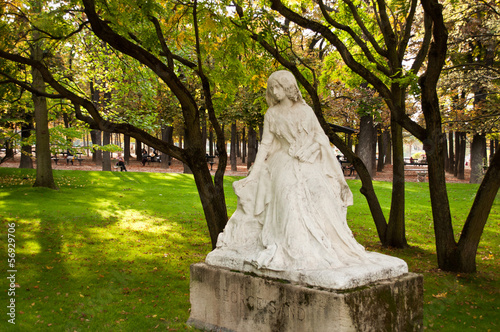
(356, 38)
(366, 33)
(97, 120)
(161, 38)
(424, 48)
(408, 30)
(344, 52)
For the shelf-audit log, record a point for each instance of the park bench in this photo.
(346, 166)
(79, 159)
(56, 159)
(153, 159)
(115, 167)
(421, 173)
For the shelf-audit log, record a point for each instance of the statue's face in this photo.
(277, 91)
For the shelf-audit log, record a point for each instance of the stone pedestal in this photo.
(223, 300)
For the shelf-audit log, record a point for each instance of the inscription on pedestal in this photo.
(222, 300)
(239, 300)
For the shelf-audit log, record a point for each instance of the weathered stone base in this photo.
(223, 300)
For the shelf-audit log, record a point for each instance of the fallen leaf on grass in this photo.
(440, 295)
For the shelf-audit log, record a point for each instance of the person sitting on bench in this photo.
(121, 163)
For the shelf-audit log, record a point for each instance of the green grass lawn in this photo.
(111, 251)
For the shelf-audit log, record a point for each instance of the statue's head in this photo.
(287, 81)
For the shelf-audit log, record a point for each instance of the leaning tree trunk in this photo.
(212, 198)
(465, 253)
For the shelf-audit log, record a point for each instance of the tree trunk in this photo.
(493, 144)
(9, 150)
(461, 156)
(464, 257)
(211, 142)
(95, 135)
(238, 145)
(252, 145)
(374, 150)
(44, 176)
(460, 146)
(477, 151)
(211, 195)
(204, 135)
(106, 155)
(367, 189)
(234, 147)
(451, 152)
(457, 153)
(167, 136)
(26, 150)
(446, 155)
(388, 147)
(433, 146)
(365, 146)
(396, 235)
(126, 148)
(381, 152)
(138, 150)
(244, 145)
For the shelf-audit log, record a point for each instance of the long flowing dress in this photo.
(291, 213)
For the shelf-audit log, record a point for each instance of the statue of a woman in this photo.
(291, 213)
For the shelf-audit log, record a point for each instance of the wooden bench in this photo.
(79, 158)
(421, 173)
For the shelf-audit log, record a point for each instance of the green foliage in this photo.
(107, 147)
(410, 80)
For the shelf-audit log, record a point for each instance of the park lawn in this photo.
(111, 251)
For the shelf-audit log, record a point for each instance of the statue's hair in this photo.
(287, 81)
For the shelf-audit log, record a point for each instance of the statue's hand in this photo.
(308, 153)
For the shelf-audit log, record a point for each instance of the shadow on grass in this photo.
(113, 256)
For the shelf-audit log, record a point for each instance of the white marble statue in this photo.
(290, 221)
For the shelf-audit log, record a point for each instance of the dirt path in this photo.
(177, 167)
